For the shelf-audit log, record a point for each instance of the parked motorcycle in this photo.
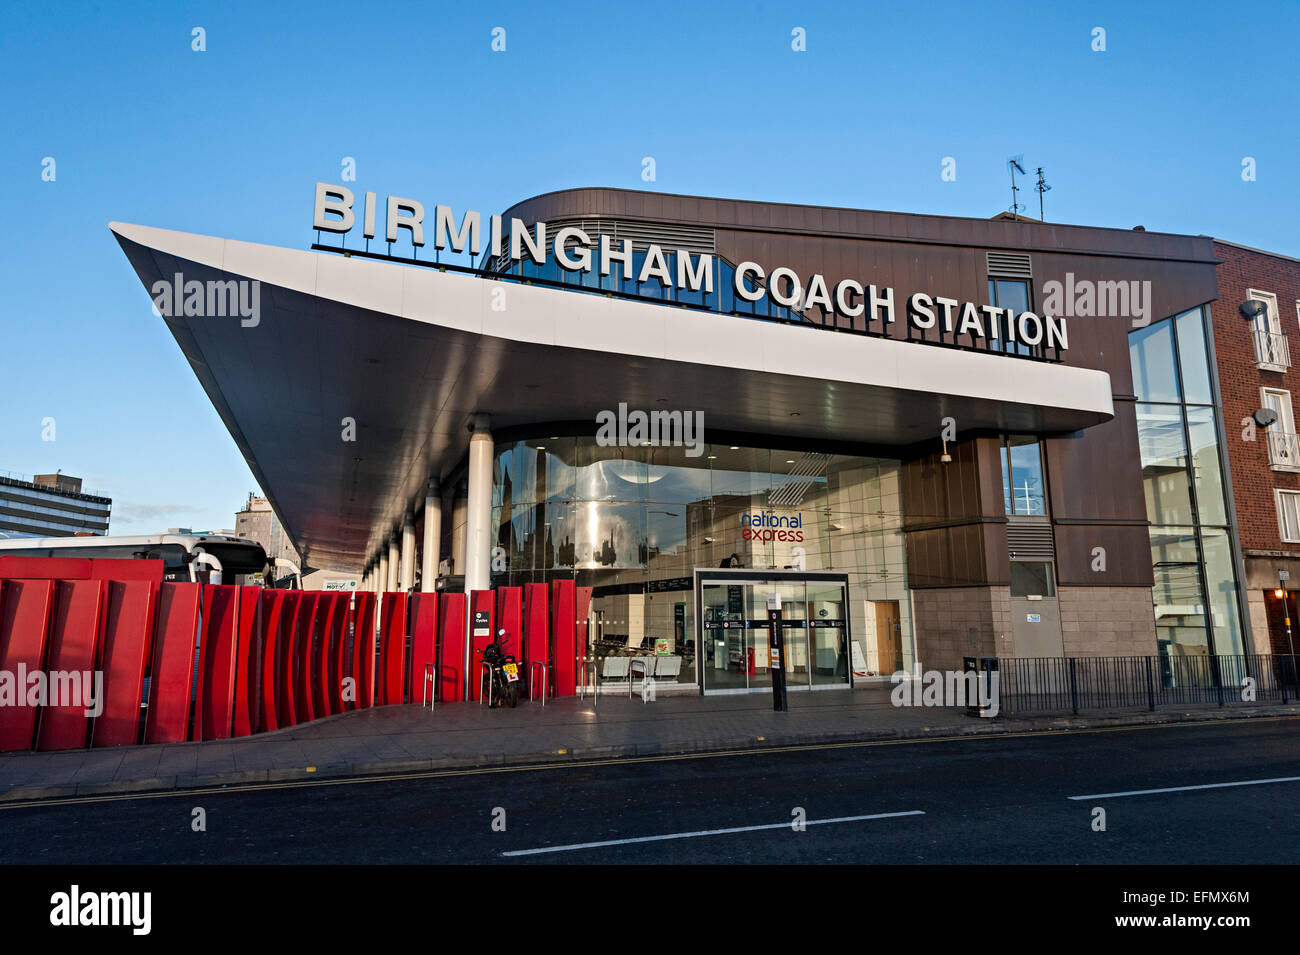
(500, 683)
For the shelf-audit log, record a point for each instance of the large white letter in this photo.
(414, 222)
(336, 199)
(581, 261)
(742, 273)
(470, 230)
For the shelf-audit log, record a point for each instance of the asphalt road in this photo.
(983, 800)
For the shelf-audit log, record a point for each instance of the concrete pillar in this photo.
(394, 563)
(382, 582)
(459, 512)
(407, 578)
(478, 509)
(432, 536)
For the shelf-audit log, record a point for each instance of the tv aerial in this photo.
(1015, 164)
(1041, 186)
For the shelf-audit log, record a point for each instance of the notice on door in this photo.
(859, 661)
(1034, 617)
(482, 625)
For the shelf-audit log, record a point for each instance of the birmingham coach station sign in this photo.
(573, 251)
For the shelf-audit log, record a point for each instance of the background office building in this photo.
(915, 494)
(257, 521)
(50, 505)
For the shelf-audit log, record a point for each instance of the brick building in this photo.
(1257, 314)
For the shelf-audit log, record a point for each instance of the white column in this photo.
(432, 536)
(478, 509)
(394, 563)
(407, 580)
(458, 513)
(382, 583)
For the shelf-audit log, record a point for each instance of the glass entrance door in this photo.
(736, 638)
(828, 633)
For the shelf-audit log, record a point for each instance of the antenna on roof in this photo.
(1042, 187)
(1014, 164)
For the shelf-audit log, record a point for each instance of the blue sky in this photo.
(230, 141)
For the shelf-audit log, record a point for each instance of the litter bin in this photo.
(984, 668)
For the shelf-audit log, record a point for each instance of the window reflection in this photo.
(634, 523)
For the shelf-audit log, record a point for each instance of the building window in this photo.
(1032, 578)
(1272, 353)
(1022, 476)
(1283, 453)
(1288, 515)
(1012, 294)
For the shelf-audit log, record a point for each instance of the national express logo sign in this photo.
(767, 526)
(573, 250)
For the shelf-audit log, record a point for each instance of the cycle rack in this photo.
(482, 664)
(630, 671)
(532, 677)
(583, 664)
(430, 687)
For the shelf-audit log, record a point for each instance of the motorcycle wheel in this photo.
(512, 695)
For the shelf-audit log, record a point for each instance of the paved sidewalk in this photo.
(405, 739)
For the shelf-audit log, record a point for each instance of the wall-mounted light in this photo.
(946, 458)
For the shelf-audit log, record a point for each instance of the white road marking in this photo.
(1183, 789)
(707, 832)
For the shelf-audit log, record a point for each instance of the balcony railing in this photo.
(1283, 450)
(1272, 351)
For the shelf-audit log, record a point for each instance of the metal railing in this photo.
(1271, 349)
(1283, 449)
(532, 680)
(1056, 684)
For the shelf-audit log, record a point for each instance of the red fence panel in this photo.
(336, 637)
(248, 663)
(217, 669)
(44, 568)
(270, 623)
(424, 641)
(451, 648)
(363, 652)
(315, 662)
(537, 642)
(582, 610)
(127, 568)
(286, 655)
(171, 677)
(482, 631)
(563, 634)
(72, 695)
(392, 645)
(305, 636)
(25, 608)
(510, 618)
(124, 653)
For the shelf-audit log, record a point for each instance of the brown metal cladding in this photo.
(953, 513)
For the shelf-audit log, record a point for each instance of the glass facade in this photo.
(1197, 609)
(634, 523)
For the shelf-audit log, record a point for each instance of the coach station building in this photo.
(933, 437)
